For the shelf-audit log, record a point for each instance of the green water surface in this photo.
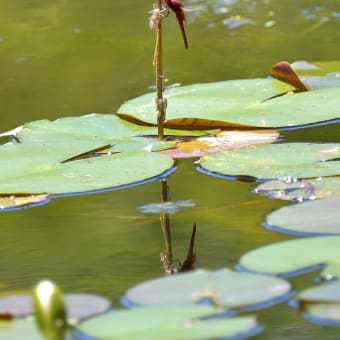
(72, 57)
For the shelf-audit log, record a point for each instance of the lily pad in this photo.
(166, 322)
(95, 126)
(224, 104)
(315, 217)
(292, 257)
(290, 160)
(48, 168)
(223, 287)
(78, 306)
(237, 103)
(321, 304)
(300, 190)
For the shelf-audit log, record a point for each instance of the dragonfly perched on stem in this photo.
(177, 7)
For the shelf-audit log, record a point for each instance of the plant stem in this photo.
(160, 102)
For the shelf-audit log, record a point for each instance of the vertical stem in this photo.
(160, 103)
(165, 220)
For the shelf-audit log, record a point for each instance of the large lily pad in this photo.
(290, 160)
(223, 287)
(44, 171)
(300, 190)
(95, 126)
(292, 257)
(236, 103)
(315, 217)
(322, 303)
(166, 322)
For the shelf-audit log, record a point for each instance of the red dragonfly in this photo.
(177, 7)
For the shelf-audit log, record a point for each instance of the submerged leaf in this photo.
(300, 190)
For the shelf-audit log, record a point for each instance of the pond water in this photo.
(72, 57)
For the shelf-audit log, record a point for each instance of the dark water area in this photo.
(70, 57)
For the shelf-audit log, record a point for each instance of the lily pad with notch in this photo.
(237, 104)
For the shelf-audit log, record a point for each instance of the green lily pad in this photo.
(290, 160)
(45, 172)
(294, 190)
(223, 287)
(221, 104)
(78, 306)
(314, 217)
(322, 303)
(292, 257)
(237, 103)
(166, 322)
(95, 126)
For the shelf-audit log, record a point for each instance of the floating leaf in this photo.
(78, 306)
(46, 170)
(290, 160)
(166, 322)
(225, 104)
(292, 257)
(223, 140)
(301, 190)
(322, 303)
(20, 201)
(237, 103)
(223, 287)
(98, 127)
(315, 217)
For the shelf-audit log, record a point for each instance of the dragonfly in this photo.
(177, 7)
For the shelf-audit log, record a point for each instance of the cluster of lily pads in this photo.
(229, 126)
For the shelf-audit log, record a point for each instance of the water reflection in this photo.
(170, 264)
